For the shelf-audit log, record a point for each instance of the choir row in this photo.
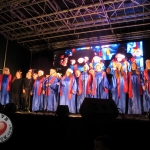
(68, 89)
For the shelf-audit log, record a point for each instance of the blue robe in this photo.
(146, 94)
(64, 100)
(51, 101)
(134, 103)
(102, 85)
(5, 93)
(83, 95)
(38, 100)
(120, 102)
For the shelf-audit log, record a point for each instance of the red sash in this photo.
(130, 85)
(0, 82)
(9, 81)
(88, 89)
(75, 67)
(125, 85)
(94, 84)
(70, 87)
(147, 79)
(40, 86)
(80, 85)
(50, 82)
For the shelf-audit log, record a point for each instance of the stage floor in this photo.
(75, 133)
(143, 117)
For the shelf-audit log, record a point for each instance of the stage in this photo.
(143, 117)
(74, 132)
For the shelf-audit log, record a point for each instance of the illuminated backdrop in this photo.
(108, 55)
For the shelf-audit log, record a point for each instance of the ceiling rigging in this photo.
(53, 24)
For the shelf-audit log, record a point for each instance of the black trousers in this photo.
(26, 99)
(16, 99)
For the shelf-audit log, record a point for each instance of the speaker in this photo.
(62, 111)
(98, 108)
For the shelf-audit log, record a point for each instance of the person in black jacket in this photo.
(16, 89)
(26, 89)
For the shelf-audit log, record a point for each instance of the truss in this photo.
(53, 24)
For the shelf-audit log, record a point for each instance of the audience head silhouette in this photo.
(102, 142)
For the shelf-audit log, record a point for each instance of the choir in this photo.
(130, 90)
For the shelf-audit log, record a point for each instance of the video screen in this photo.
(108, 55)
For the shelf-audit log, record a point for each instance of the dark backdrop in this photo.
(42, 60)
(17, 58)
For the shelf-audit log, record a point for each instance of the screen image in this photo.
(108, 55)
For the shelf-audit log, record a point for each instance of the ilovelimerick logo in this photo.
(6, 128)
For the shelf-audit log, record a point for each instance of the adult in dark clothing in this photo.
(27, 85)
(109, 77)
(16, 88)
